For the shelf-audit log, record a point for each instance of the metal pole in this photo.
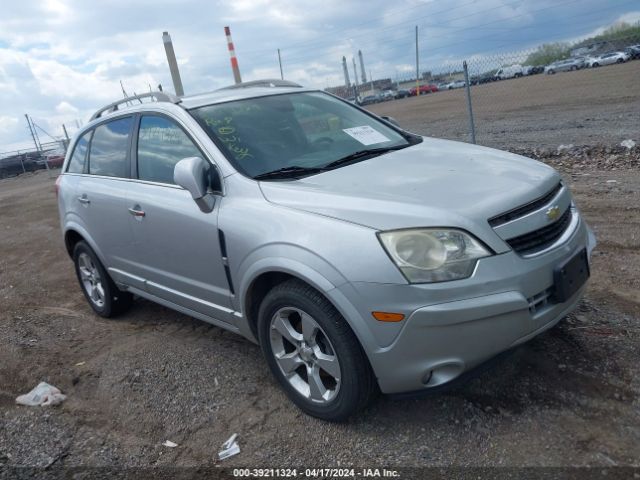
(32, 135)
(66, 135)
(371, 81)
(173, 64)
(232, 53)
(280, 63)
(472, 127)
(417, 66)
(355, 76)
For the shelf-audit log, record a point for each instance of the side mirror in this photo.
(392, 121)
(195, 175)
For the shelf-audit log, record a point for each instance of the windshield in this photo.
(309, 129)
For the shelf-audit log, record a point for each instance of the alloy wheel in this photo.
(91, 280)
(305, 355)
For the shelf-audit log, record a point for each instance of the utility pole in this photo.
(417, 66)
(66, 135)
(31, 130)
(280, 63)
(173, 64)
(371, 81)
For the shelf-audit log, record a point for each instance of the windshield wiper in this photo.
(361, 155)
(289, 172)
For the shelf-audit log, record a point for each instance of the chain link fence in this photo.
(49, 156)
(580, 96)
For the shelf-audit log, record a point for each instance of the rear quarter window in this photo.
(108, 155)
(77, 161)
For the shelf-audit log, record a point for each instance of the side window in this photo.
(162, 144)
(109, 146)
(76, 164)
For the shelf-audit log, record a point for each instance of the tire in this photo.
(573, 68)
(620, 60)
(595, 65)
(101, 292)
(286, 308)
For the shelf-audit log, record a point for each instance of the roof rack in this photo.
(158, 96)
(269, 82)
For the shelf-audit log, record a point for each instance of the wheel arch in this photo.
(74, 233)
(269, 272)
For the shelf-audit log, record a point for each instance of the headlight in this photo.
(433, 255)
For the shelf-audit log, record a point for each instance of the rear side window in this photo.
(109, 147)
(76, 164)
(162, 144)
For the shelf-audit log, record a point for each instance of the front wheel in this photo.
(313, 353)
(99, 289)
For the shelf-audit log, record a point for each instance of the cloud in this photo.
(60, 60)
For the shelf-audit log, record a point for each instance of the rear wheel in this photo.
(99, 289)
(313, 353)
(620, 60)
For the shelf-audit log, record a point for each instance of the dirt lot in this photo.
(586, 107)
(568, 398)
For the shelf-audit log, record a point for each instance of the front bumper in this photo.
(454, 326)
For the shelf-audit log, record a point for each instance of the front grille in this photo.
(542, 238)
(523, 210)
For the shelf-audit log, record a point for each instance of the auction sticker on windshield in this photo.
(366, 135)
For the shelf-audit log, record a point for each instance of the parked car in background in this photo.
(369, 99)
(402, 93)
(387, 95)
(456, 84)
(55, 160)
(359, 256)
(442, 86)
(633, 51)
(17, 164)
(428, 88)
(566, 65)
(608, 59)
(512, 71)
(484, 78)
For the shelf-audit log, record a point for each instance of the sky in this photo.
(60, 60)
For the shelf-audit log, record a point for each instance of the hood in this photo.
(434, 183)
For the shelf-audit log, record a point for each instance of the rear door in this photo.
(101, 195)
(178, 246)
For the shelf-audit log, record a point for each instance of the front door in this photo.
(178, 252)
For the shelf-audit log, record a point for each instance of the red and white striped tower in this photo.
(232, 53)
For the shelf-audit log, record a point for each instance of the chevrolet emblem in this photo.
(553, 213)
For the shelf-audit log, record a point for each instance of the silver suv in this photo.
(361, 257)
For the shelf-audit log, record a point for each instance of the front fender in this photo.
(308, 267)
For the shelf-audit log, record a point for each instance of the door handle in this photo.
(136, 213)
(84, 200)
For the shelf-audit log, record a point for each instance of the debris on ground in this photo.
(229, 448)
(43, 395)
(628, 144)
(170, 444)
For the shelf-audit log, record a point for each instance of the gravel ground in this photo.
(567, 398)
